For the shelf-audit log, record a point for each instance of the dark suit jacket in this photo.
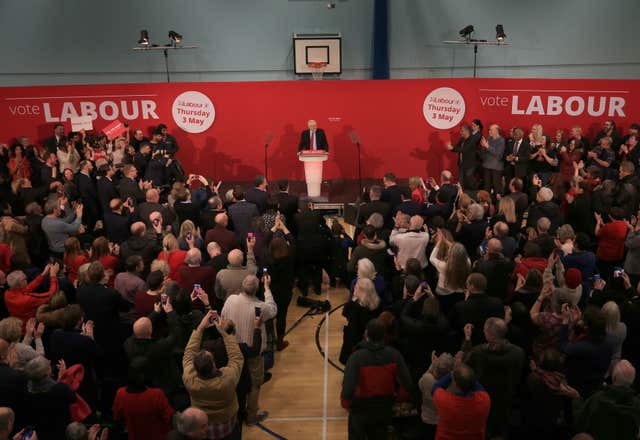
(117, 226)
(521, 166)
(187, 211)
(391, 195)
(369, 208)
(52, 144)
(88, 195)
(288, 206)
(145, 209)
(129, 188)
(408, 207)
(258, 198)
(321, 140)
(448, 192)
(467, 148)
(241, 214)
(106, 191)
(521, 200)
(475, 310)
(208, 219)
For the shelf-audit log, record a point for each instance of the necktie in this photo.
(515, 150)
(313, 139)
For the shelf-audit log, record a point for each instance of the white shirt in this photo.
(411, 245)
(312, 140)
(240, 309)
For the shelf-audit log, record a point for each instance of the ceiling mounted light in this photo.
(500, 35)
(144, 38)
(175, 37)
(466, 31)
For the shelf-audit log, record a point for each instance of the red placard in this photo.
(115, 129)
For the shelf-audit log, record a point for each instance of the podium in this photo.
(313, 170)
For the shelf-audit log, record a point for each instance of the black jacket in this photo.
(117, 227)
(146, 247)
(129, 188)
(258, 198)
(520, 168)
(288, 206)
(366, 209)
(321, 140)
(475, 310)
(106, 189)
(241, 215)
(391, 195)
(545, 209)
(497, 270)
(357, 318)
(102, 306)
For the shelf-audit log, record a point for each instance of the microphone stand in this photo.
(266, 145)
(359, 168)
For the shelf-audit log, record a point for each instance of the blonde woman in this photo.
(190, 236)
(616, 330)
(452, 275)
(366, 269)
(364, 306)
(172, 254)
(507, 214)
(417, 186)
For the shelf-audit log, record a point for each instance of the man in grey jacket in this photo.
(229, 280)
(58, 229)
(492, 160)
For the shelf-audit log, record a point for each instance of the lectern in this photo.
(313, 170)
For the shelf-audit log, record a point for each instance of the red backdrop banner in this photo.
(403, 125)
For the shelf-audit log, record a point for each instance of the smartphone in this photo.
(596, 277)
(265, 270)
(156, 221)
(164, 298)
(130, 201)
(189, 235)
(483, 249)
(257, 311)
(27, 433)
(250, 235)
(213, 317)
(197, 287)
(617, 273)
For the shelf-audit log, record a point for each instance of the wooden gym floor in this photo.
(303, 396)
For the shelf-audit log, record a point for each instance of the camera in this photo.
(314, 304)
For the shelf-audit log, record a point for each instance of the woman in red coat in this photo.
(569, 156)
(145, 411)
(107, 254)
(611, 237)
(173, 255)
(73, 258)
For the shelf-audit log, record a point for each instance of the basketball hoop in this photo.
(317, 69)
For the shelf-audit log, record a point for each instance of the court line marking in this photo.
(326, 368)
(305, 419)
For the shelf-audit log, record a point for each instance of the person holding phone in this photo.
(210, 387)
(241, 309)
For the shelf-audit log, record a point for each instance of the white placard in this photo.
(81, 123)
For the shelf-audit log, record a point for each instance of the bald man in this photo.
(191, 424)
(229, 280)
(147, 245)
(163, 371)
(413, 243)
(496, 268)
(614, 411)
(313, 138)
(151, 204)
(225, 238)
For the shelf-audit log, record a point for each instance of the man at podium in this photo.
(313, 138)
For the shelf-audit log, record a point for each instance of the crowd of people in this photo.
(139, 301)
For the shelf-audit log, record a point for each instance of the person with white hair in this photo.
(413, 243)
(616, 330)
(313, 138)
(366, 269)
(440, 366)
(544, 206)
(193, 272)
(242, 309)
(471, 228)
(614, 411)
(191, 424)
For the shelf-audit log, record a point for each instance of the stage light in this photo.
(466, 31)
(144, 38)
(175, 37)
(500, 35)
(331, 5)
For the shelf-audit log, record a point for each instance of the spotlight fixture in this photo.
(331, 5)
(500, 35)
(144, 38)
(175, 37)
(466, 31)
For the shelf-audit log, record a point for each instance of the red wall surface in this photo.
(386, 115)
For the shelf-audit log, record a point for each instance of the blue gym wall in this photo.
(89, 41)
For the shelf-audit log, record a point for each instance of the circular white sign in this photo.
(193, 112)
(443, 108)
